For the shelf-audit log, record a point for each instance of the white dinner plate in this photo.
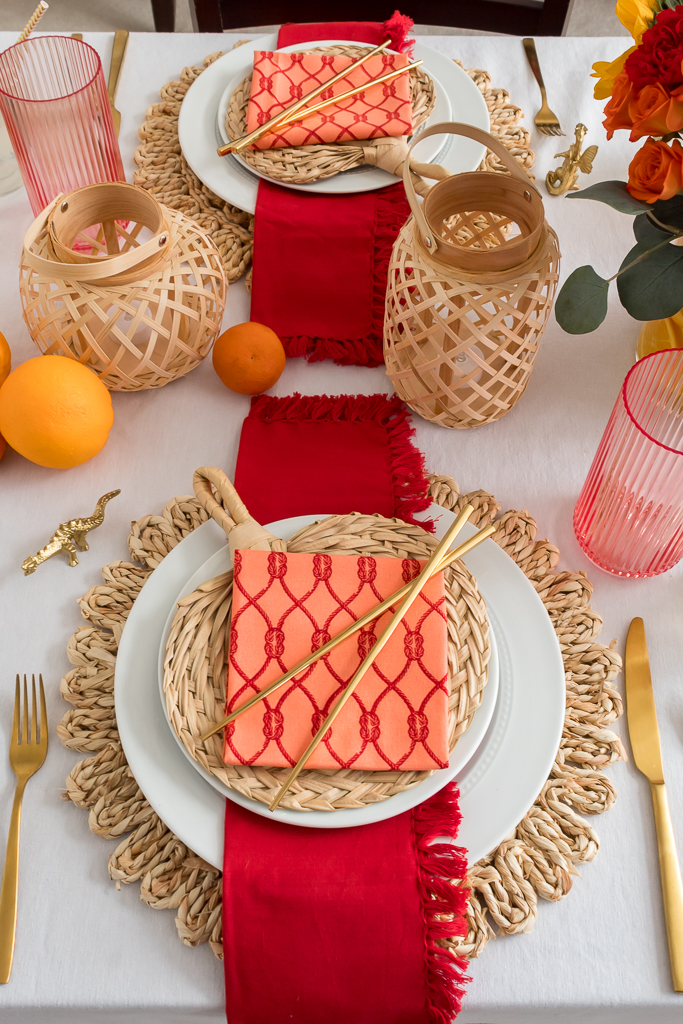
(229, 177)
(464, 749)
(433, 148)
(497, 786)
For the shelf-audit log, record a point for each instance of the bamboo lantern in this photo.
(471, 283)
(112, 278)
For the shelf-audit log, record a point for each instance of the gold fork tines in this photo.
(545, 121)
(27, 751)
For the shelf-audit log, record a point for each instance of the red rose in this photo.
(656, 171)
(658, 58)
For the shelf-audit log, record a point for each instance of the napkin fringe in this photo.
(391, 213)
(444, 903)
(398, 27)
(408, 474)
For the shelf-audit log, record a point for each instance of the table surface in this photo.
(87, 952)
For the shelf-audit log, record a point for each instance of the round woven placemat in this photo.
(195, 669)
(299, 165)
(537, 859)
(162, 169)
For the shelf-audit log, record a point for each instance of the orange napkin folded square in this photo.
(286, 605)
(280, 79)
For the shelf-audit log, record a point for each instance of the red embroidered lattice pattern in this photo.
(280, 79)
(287, 605)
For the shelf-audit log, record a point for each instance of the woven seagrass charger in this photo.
(196, 662)
(537, 859)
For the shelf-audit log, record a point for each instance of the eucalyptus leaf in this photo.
(669, 211)
(581, 305)
(648, 234)
(614, 194)
(653, 288)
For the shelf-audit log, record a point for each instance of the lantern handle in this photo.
(469, 132)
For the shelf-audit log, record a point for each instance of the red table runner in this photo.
(338, 926)
(320, 261)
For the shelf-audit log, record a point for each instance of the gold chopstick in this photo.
(374, 613)
(415, 588)
(246, 140)
(303, 114)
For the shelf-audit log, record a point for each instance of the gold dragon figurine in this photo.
(68, 536)
(563, 179)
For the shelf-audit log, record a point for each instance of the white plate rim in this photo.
(230, 179)
(528, 714)
(464, 750)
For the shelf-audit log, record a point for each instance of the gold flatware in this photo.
(77, 35)
(33, 21)
(28, 747)
(374, 613)
(415, 588)
(246, 140)
(644, 733)
(546, 122)
(117, 54)
(303, 114)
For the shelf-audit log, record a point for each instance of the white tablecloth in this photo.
(87, 952)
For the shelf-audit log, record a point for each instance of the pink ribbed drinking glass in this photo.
(54, 101)
(629, 516)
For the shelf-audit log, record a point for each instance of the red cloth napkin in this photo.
(339, 926)
(330, 455)
(320, 260)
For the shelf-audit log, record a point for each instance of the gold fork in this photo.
(26, 755)
(545, 120)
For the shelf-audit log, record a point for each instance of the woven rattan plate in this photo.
(299, 165)
(195, 668)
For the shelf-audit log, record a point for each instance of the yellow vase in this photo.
(656, 335)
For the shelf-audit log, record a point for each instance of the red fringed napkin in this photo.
(339, 926)
(320, 260)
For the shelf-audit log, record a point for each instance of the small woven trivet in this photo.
(537, 859)
(162, 169)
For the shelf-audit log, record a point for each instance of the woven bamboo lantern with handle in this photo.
(112, 278)
(470, 287)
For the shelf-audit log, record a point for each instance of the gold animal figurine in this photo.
(563, 179)
(68, 536)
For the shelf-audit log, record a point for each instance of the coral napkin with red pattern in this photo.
(340, 925)
(320, 260)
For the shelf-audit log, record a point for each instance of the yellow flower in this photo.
(606, 71)
(636, 16)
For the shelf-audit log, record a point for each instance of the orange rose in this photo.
(616, 110)
(656, 171)
(653, 110)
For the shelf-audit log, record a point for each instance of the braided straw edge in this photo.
(537, 859)
(162, 169)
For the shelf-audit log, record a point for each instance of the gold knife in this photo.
(117, 55)
(644, 733)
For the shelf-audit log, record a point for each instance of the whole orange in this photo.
(248, 358)
(55, 411)
(5, 359)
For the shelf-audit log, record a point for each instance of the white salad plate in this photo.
(497, 785)
(464, 750)
(230, 178)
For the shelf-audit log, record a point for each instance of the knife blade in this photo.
(117, 54)
(641, 715)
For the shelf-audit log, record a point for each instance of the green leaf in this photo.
(653, 288)
(581, 305)
(614, 194)
(669, 211)
(648, 234)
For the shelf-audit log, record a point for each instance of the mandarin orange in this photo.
(5, 359)
(54, 411)
(249, 358)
